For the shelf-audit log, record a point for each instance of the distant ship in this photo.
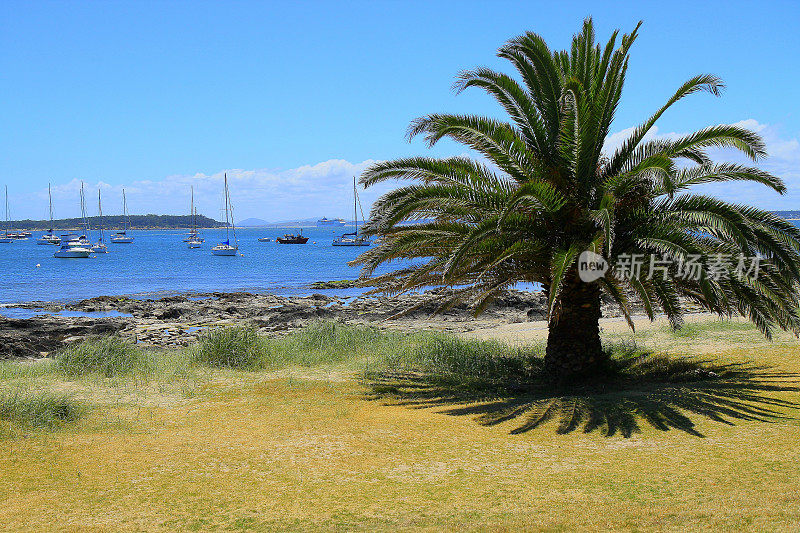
(330, 222)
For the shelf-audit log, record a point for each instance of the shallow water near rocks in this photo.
(22, 313)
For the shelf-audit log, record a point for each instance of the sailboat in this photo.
(225, 247)
(352, 239)
(194, 240)
(7, 238)
(122, 237)
(49, 237)
(83, 240)
(100, 246)
(74, 246)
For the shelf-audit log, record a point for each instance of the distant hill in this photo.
(294, 223)
(252, 223)
(788, 214)
(116, 221)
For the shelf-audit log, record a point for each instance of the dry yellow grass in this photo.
(298, 451)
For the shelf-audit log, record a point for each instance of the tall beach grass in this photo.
(321, 343)
(38, 409)
(109, 356)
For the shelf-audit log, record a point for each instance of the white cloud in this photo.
(325, 188)
(322, 189)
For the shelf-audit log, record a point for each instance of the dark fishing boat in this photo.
(292, 239)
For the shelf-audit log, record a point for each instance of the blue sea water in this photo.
(158, 262)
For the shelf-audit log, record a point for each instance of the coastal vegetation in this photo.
(118, 221)
(420, 368)
(109, 356)
(548, 190)
(32, 410)
(352, 427)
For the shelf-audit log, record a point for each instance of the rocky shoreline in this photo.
(176, 321)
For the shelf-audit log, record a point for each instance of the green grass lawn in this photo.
(352, 428)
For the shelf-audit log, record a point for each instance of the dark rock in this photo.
(170, 314)
(33, 336)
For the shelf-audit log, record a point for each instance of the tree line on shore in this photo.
(117, 221)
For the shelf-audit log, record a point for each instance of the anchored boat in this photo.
(72, 248)
(353, 239)
(290, 238)
(194, 240)
(100, 246)
(122, 237)
(8, 237)
(225, 247)
(49, 237)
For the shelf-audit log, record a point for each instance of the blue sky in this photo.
(292, 98)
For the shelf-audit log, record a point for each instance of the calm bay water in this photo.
(159, 261)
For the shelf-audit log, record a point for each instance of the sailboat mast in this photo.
(355, 212)
(50, 197)
(124, 213)
(233, 224)
(191, 212)
(83, 213)
(100, 213)
(227, 221)
(8, 220)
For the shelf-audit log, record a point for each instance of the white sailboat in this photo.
(7, 239)
(225, 247)
(194, 240)
(122, 237)
(100, 247)
(49, 237)
(352, 239)
(83, 240)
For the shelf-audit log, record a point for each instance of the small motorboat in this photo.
(290, 238)
(48, 238)
(72, 249)
(264, 239)
(194, 243)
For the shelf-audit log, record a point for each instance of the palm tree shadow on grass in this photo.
(635, 389)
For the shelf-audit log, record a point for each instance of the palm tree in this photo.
(546, 192)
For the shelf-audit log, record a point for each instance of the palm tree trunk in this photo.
(573, 340)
